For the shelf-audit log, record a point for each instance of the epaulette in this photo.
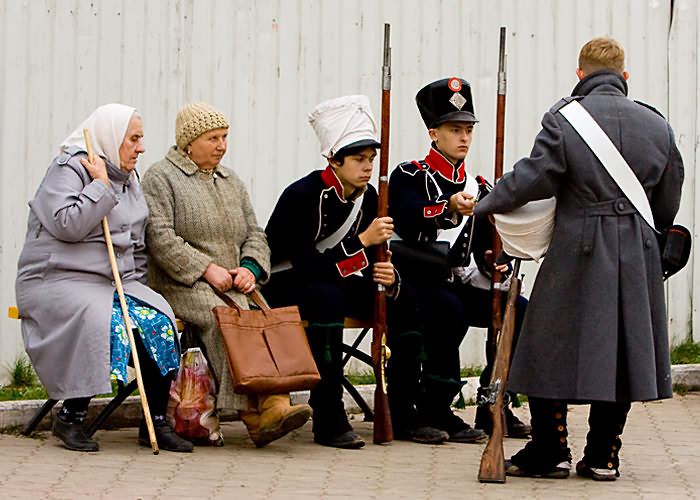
(412, 167)
(564, 101)
(649, 106)
(68, 153)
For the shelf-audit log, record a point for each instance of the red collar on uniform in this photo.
(444, 167)
(331, 180)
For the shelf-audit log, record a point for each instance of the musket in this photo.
(383, 432)
(500, 333)
(496, 307)
(492, 468)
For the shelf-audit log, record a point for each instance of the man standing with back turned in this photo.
(595, 330)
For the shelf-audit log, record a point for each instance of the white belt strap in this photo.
(331, 240)
(601, 145)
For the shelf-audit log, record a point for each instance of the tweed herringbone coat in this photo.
(595, 328)
(197, 219)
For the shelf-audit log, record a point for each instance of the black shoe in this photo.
(165, 437)
(347, 440)
(73, 436)
(422, 434)
(515, 428)
(559, 471)
(595, 473)
(467, 435)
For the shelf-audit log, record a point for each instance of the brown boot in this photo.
(273, 417)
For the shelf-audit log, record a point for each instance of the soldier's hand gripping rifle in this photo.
(492, 467)
(383, 432)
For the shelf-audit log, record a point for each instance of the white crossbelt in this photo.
(601, 145)
(331, 240)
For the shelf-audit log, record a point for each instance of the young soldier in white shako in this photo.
(428, 197)
(323, 235)
(596, 330)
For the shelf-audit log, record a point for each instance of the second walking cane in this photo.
(383, 432)
(125, 313)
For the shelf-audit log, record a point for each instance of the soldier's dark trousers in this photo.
(606, 421)
(324, 305)
(450, 309)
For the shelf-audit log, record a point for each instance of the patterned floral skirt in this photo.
(157, 334)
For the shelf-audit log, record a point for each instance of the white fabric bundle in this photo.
(107, 127)
(527, 231)
(343, 121)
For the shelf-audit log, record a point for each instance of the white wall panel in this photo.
(267, 63)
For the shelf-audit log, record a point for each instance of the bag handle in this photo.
(253, 295)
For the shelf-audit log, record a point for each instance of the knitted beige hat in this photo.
(194, 119)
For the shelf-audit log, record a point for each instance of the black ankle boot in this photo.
(73, 436)
(165, 437)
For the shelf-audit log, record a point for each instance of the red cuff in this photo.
(355, 263)
(434, 210)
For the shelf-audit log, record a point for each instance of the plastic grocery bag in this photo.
(192, 404)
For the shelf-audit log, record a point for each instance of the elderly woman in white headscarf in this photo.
(71, 319)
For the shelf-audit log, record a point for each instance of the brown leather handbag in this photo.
(267, 349)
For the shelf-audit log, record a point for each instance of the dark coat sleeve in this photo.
(666, 197)
(416, 214)
(536, 177)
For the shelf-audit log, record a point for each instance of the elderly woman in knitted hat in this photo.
(71, 317)
(202, 234)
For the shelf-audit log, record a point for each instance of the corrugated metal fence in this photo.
(266, 63)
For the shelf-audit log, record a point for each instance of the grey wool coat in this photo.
(595, 328)
(65, 287)
(196, 220)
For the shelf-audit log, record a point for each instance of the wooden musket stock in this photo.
(492, 468)
(383, 432)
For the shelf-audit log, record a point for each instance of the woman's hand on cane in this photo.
(97, 169)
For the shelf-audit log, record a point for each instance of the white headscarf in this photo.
(107, 127)
(343, 121)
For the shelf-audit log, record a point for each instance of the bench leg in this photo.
(369, 416)
(123, 393)
(38, 416)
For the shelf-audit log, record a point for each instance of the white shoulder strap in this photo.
(601, 145)
(332, 239)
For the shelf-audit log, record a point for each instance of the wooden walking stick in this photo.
(383, 432)
(125, 313)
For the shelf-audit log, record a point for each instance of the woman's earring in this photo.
(189, 152)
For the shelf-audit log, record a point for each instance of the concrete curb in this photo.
(15, 414)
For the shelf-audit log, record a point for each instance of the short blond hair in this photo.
(602, 53)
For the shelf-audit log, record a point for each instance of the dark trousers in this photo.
(157, 388)
(606, 422)
(324, 304)
(447, 310)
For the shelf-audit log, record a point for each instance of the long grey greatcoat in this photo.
(65, 285)
(196, 220)
(595, 328)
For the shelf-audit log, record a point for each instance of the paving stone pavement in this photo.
(660, 459)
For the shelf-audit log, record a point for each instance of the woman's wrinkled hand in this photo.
(243, 279)
(383, 272)
(219, 277)
(97, 169)
(379, 231)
